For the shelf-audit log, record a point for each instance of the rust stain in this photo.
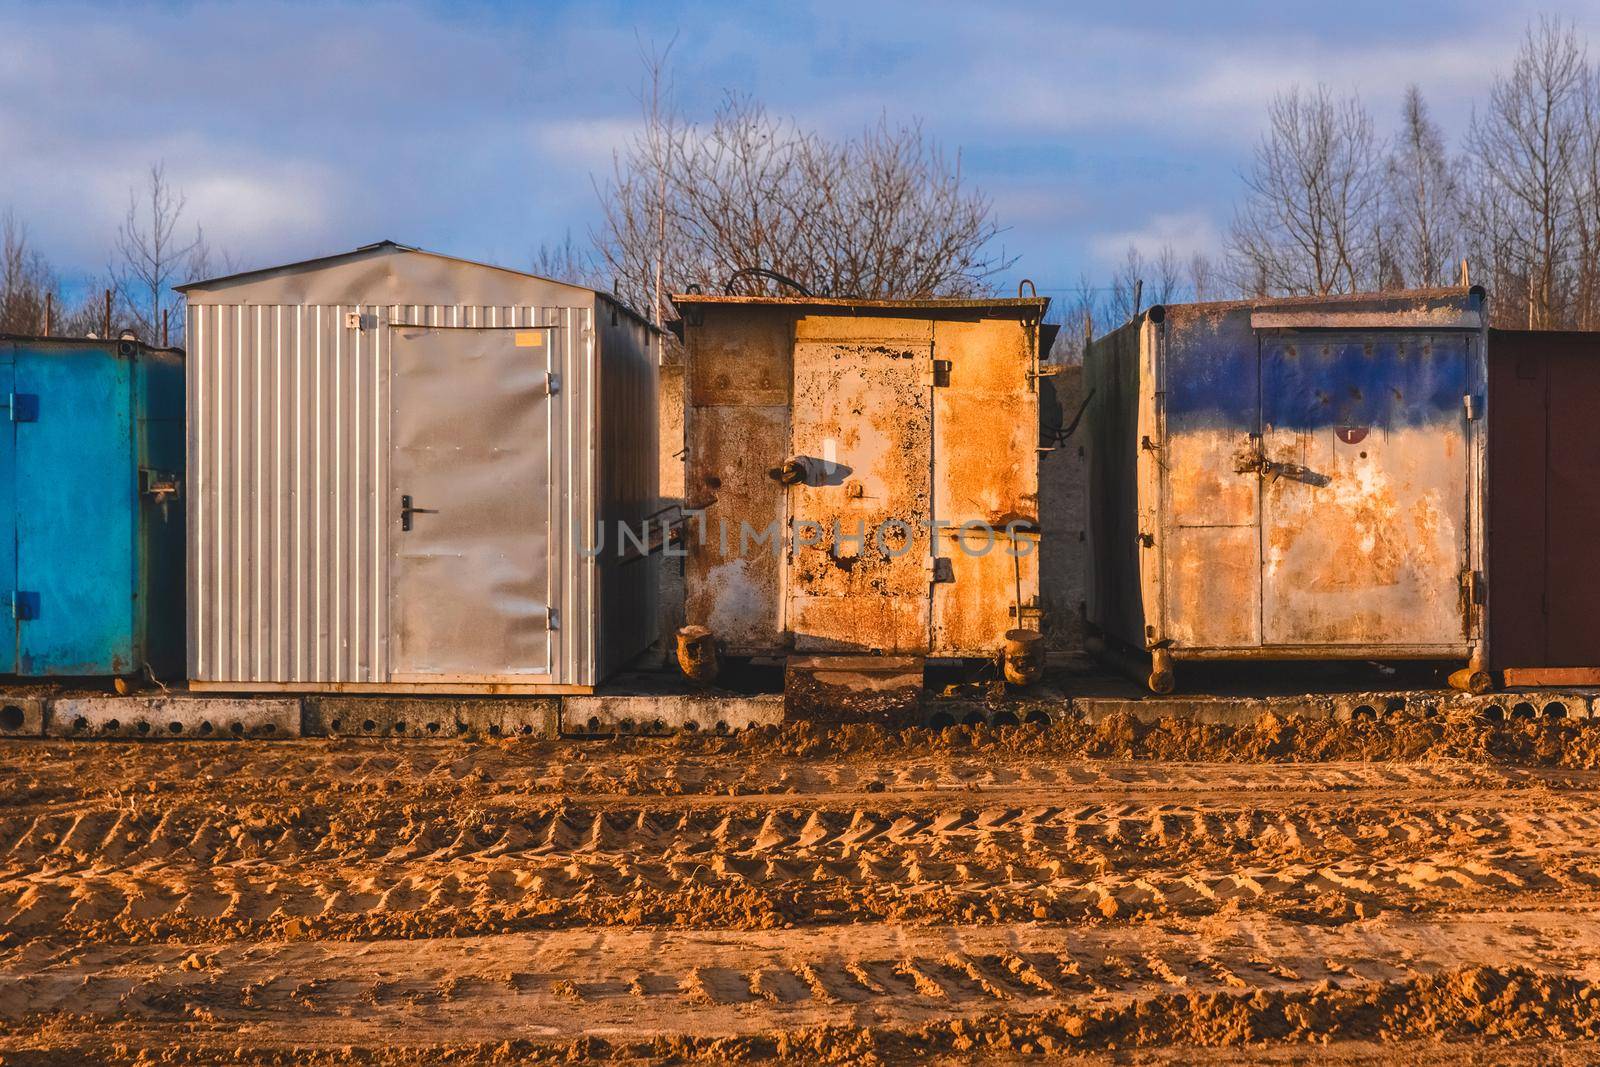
(890, 447)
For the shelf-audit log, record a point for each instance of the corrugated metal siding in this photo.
(629, 474)
(289, 488)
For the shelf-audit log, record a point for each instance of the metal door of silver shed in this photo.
(469, 568)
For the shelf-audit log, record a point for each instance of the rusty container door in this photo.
(1192, 447)
(1544, 499)
(858, 558)
(469, 573)
(1364, 470)
(985, 484)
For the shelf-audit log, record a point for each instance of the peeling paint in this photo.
(1306, 477)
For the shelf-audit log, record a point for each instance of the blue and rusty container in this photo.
(1291, 479)
(91, 502)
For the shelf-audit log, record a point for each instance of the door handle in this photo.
(407, 510)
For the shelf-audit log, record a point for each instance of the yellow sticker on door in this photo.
(530, 340)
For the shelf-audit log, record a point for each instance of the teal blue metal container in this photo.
(91, 508)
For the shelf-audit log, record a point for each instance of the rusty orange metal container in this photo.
(862, 474)
(1298, 478)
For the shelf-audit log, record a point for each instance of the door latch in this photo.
(24, 407)
(407, 510)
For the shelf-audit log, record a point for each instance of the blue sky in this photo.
(479, 129)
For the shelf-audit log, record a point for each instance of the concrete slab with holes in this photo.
(173, 717)
(431, 717)
(587, 716)
(22, 716)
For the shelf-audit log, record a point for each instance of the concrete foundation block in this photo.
(605, 715)
(427, 717)
(174, 717)
(22, 716)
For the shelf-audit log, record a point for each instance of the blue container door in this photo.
(1364, 469)
(76, 510)
(8, 519)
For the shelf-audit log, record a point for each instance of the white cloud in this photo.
(1185, 232)
(584, 143)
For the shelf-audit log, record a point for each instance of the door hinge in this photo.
(552, 619)
(24, 604)
(1470, 403)
(1472, 582)
(941, 374)
(944, 569)
(24, 407)
(552, 384)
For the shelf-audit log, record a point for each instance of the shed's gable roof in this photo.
(390, 273)
(377, 248)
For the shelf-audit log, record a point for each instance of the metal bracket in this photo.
(159, 484)
(24, 407)
(944, 569)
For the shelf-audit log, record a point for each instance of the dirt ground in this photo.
(1417, 890)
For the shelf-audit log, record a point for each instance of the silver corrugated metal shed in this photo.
(398, 464)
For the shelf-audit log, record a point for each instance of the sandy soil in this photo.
(1407, 890)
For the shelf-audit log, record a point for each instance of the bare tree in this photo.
(25, 280)
(152, 256)
(883, 214)
(1423, 200)
(1526, 144)
(1079, 317)
(1140, 283)
(1585, 314)
(566, 262)
(1310, 219)
(1203, 281)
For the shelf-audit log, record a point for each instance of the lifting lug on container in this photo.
(1161, 679)
(697, 654)
(1023, 657)
(1472, 678)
